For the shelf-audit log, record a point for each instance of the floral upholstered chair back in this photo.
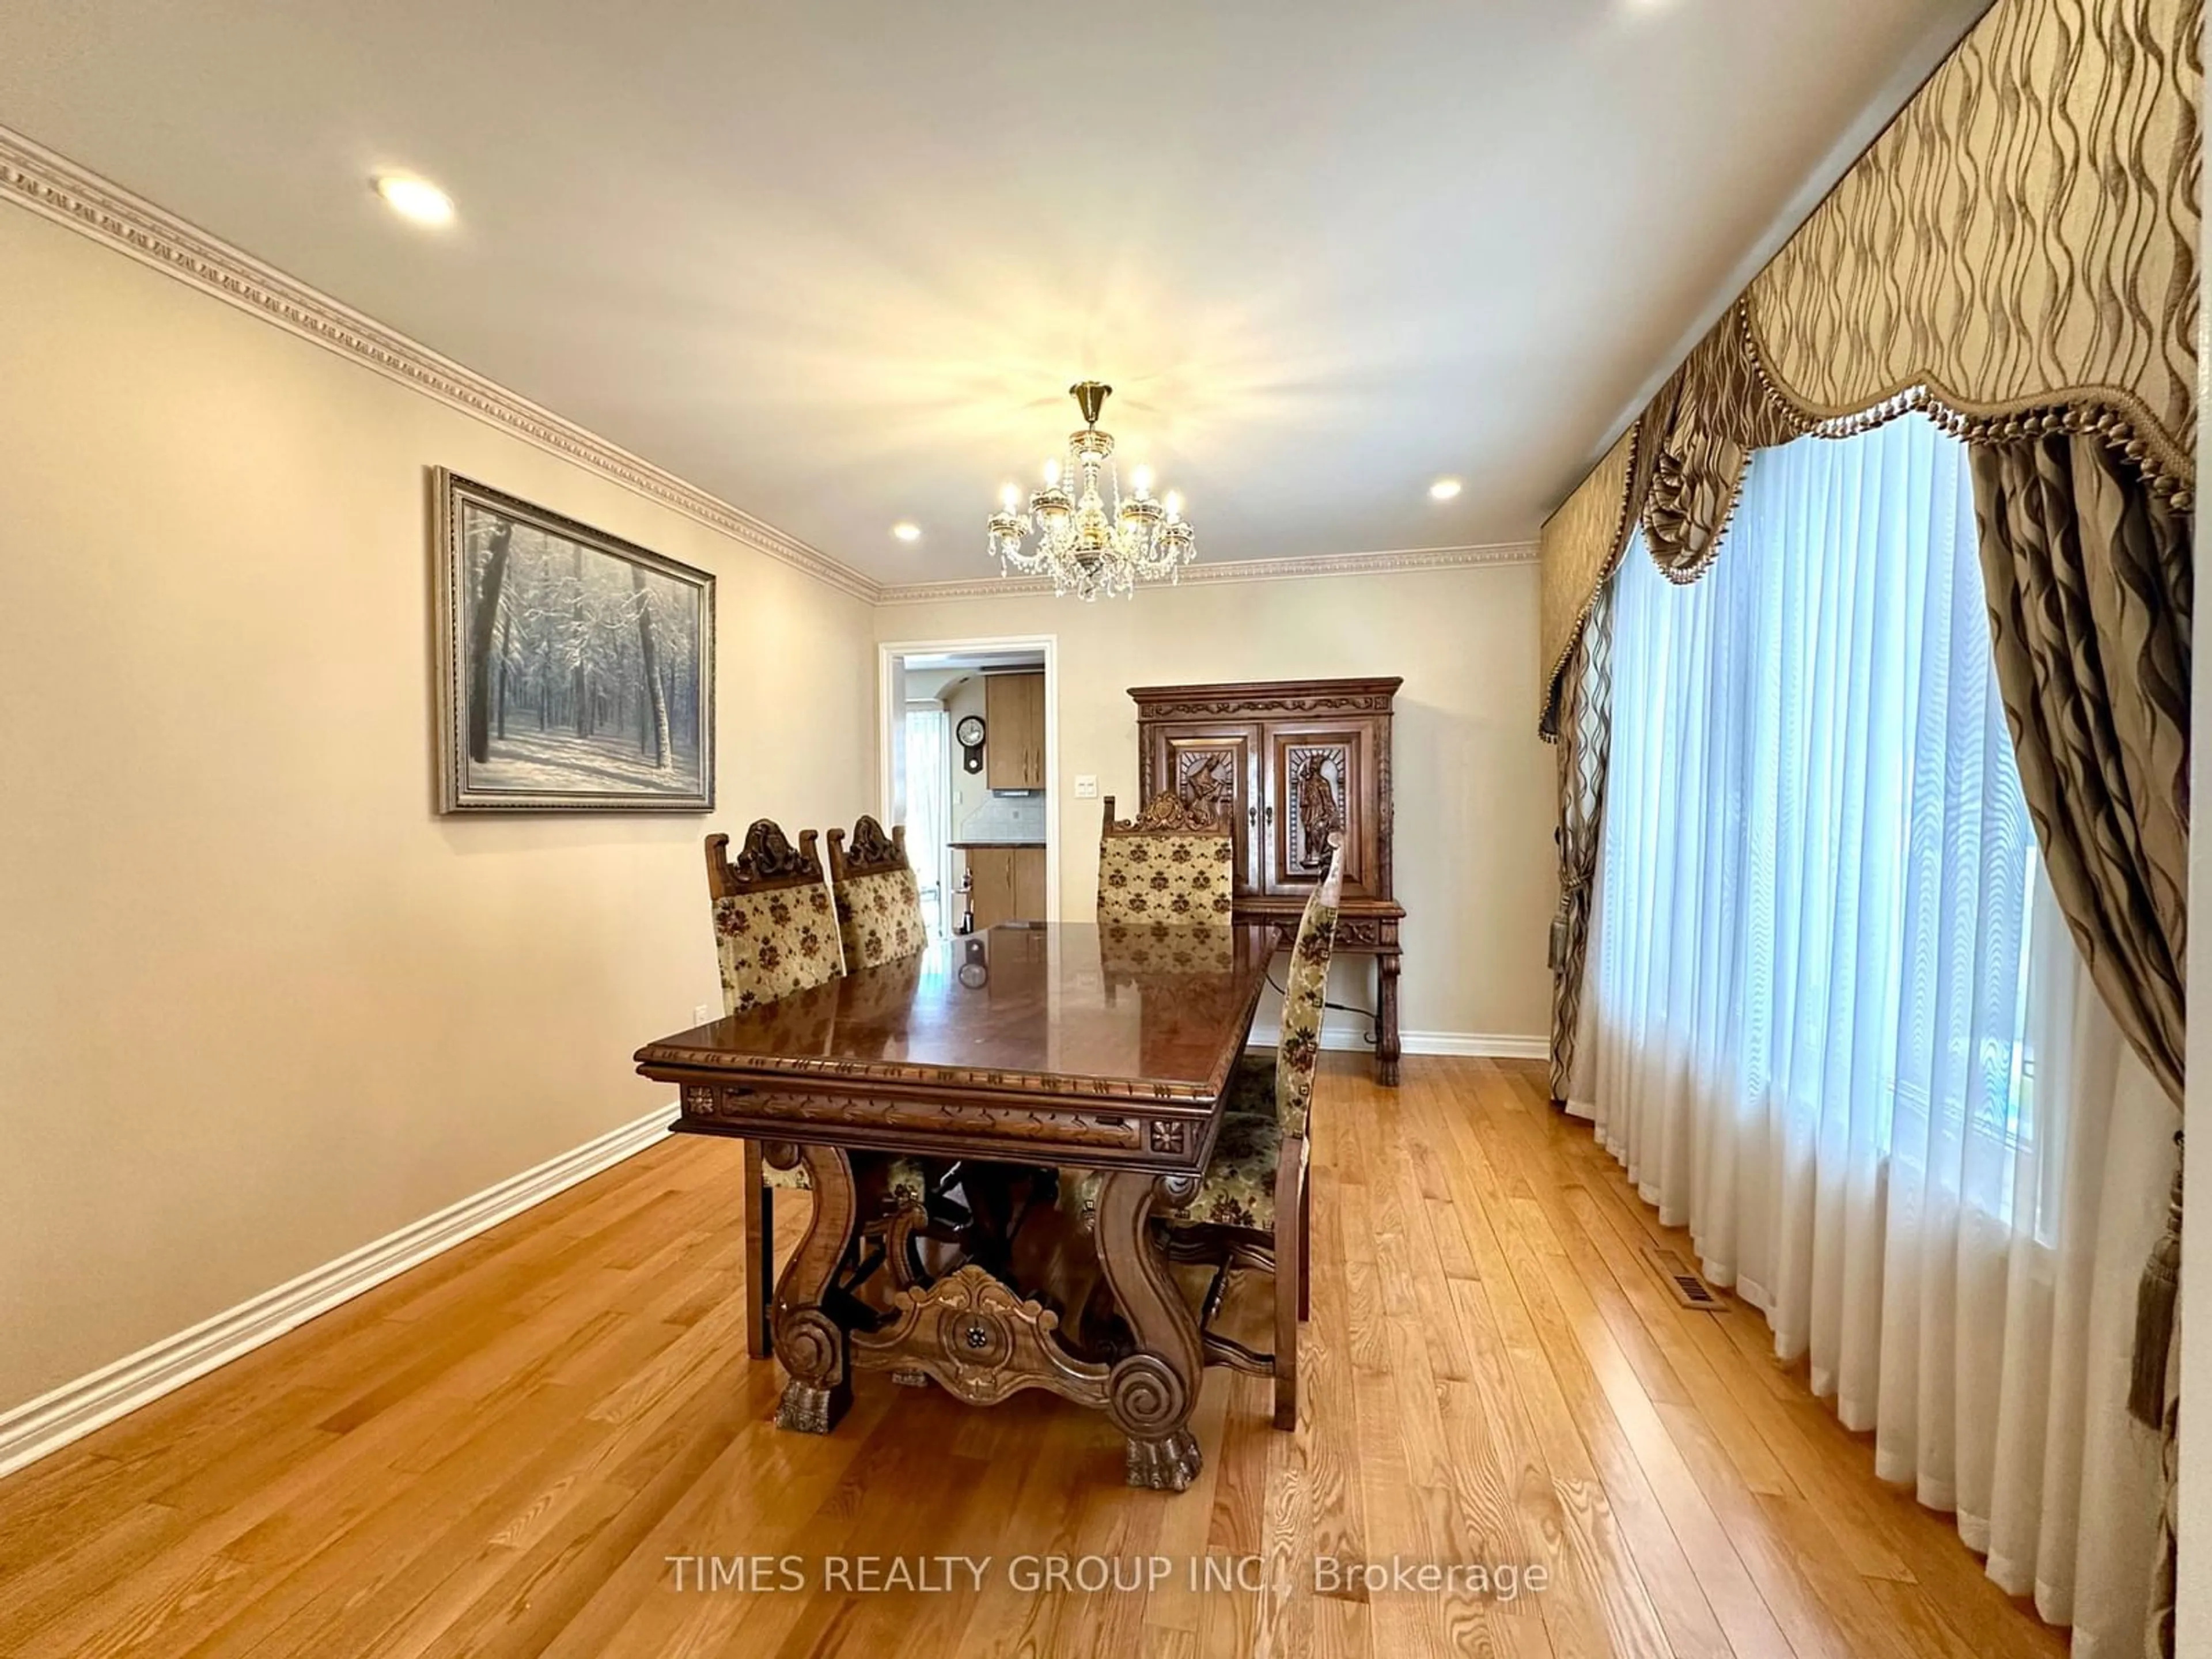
(774, 929)
(1175, 865)
(879, 901)
(1304, 998)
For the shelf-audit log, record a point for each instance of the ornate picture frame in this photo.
(576, 670)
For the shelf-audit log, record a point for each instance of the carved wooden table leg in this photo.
(1150, 1393)
(813, 1346)
(760, 1257)
(1386, 1019)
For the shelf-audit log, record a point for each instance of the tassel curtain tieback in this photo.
(2156, 1301)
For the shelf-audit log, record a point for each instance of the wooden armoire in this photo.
(1286, 764)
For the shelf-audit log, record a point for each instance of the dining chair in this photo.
(1173, 863)
(879, 903)
(776, 934)
(1253, 1208)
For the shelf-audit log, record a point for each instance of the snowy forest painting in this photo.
(577, 670)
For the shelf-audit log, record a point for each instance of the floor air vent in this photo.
(1689, 1289)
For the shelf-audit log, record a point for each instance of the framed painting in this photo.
(576, 670)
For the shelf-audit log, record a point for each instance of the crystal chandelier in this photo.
(1088, 549)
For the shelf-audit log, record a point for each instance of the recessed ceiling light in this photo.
(1443, 489)
(415, 198)
(907, 532)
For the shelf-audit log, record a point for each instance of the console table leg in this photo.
(1386, 1019)
(815, 1349)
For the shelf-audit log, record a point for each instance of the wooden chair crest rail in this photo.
(879, 901)
(1172, 864)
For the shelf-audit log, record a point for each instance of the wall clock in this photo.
(968, 734)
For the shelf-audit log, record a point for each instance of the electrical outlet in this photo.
(704, 1014)
(1086, 787)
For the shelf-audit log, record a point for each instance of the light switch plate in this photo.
(1086, 787)
(704, 1014)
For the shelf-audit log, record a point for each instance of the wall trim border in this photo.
(52, 1421)
(1340, 1035)
(1479, 1045)
(1239, 570)
(50, 185)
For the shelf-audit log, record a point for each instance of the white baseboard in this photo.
(1487, 1045)
(52, 1421)
(1350, 1035)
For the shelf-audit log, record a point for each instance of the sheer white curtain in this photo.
(1837, 1028)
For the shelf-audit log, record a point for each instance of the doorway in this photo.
(971, 817)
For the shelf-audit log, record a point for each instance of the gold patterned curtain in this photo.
(2087, 575)
(1582, 543)
(1584, 748)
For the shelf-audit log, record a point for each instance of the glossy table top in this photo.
(1062, 1008)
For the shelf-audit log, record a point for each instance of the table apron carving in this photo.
(952, 1128)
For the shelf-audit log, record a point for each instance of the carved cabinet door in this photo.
(1318, 782)
(1216, 763)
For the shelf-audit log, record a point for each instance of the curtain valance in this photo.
(2015, 255)
(1581, 542)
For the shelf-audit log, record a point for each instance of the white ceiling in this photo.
(837, 261)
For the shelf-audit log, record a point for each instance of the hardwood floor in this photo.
(498, 1453)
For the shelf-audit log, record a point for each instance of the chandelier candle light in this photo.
(1088, 551)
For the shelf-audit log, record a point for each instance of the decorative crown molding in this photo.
(1240, 570)
(36, 178)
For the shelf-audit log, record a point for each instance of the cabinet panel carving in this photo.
(1213, 766)
(1315, 807)
(1206, 780)
(1321, 778)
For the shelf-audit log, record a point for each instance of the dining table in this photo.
(1006, 1062)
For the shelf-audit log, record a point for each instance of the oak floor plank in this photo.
(495, 1455)
(1667, 1326)
(1342, 1629)
(1620, 1544)
(1584, 1351)
(1285, 1620)
(1338, 1515)
(545, 1590)
(1638, 1424)
(1175, 1605)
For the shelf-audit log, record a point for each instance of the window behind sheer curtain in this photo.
(927, 827)
(1818, 860)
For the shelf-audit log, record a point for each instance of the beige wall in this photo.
(964, 697)
(1475, 785)
(258, 1004)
